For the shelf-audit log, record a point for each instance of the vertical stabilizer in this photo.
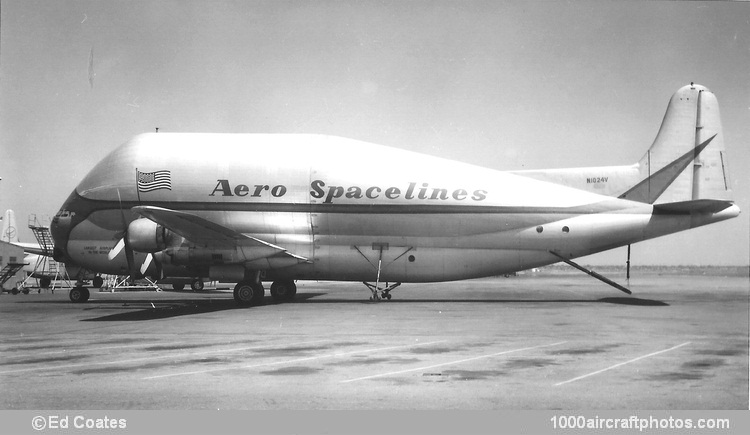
(10, 230)
(687, 160)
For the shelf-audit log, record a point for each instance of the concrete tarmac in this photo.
(544, 341)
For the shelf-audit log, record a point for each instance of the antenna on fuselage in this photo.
(157, 129)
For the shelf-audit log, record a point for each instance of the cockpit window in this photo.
(65, 214)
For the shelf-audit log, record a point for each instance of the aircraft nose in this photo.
(60, 230)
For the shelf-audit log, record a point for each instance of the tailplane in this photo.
(687, 160)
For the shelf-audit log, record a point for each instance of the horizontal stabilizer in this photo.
(31, 248)
(696, 206)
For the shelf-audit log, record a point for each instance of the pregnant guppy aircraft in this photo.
(249, 208)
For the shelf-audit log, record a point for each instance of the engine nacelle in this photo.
(145, 235)
(189, 256)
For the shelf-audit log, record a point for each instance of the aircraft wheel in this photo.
(97, 282)
(246, 293)
(14, 291)
(79, 294)
(196, 285)
(25, 290)
(45, 282)
(178, 286)
(258, 293)
(283, 290)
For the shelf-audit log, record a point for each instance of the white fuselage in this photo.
(345, 206)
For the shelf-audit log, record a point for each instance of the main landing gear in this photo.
(249, 293)
(283, 290)
(79, 294)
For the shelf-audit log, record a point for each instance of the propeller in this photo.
(124, 243)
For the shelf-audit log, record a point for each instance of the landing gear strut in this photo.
(385, 292)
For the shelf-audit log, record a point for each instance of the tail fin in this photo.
(687, 160)
(10, 231)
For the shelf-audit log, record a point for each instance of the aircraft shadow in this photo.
(609, 300)
(140, 310)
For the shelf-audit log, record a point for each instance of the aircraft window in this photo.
(411, 259)
(539, 229)
(566, 229)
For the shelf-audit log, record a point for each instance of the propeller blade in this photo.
(146, 263)
(131, 260)
(128, 251)
(116, 250)
(158, 257)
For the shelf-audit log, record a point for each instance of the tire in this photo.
(259, 293)
(247, 294)
(97, 282)
(14, 291)
(79, 294)
(45, 282)
(283, 290)
(196, 285)
(243, 294)
(179, 286)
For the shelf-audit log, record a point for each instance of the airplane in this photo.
(10, 234)
(249, 208)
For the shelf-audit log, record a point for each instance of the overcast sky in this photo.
(504, 85)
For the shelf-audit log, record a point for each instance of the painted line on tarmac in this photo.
(68, 351)
(622, 364)
(290, 361)
(148, 358)
(79, 349)
(452, 362)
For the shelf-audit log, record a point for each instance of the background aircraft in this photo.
(253, 207)
(39, 264)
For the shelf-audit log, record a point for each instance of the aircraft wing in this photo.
(206, 233)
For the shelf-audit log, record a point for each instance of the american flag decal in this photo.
(150, 181)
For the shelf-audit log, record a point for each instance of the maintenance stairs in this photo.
(45, 263)
(8, 272)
